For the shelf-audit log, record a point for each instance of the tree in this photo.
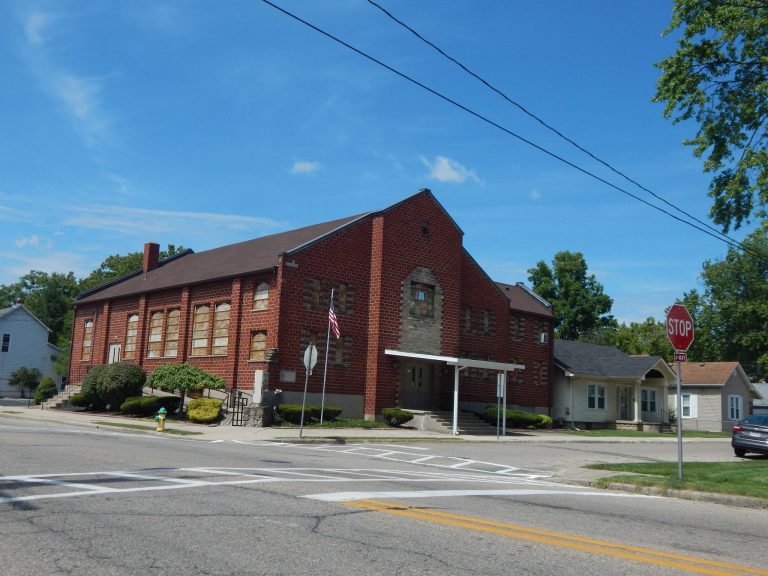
(719, 77)
(115, 266)
(183, 378)
(47, 296)
(647, 337)
(25, 377)
(732, 314)
(580, 306)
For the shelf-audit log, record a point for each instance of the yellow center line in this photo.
(627, 552)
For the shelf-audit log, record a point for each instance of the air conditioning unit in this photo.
(543, 337)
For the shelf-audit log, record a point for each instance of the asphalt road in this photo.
(82, 502)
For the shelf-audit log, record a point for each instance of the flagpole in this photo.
(325, 365)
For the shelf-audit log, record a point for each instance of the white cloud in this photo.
(446, 170)
(534, 195)
(34, 26)
(140, 221)
(303, 167)
(15, 265)
(81, 97)
(33, 241)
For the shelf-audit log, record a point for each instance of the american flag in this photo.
(334, 322)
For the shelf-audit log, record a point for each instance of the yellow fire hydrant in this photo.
(160, 419)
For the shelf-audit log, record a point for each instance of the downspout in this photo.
(570, 400)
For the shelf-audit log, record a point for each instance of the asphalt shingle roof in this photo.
(598, 360)
(520, 298)
(706, 373)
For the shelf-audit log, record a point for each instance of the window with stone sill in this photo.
(261, 297)
(87, 341)
(131, 333)
(258, 346)
(422, 300)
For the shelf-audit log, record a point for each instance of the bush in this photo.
(110, 384)
(204, 410)
(45, 390)
(149, 405)
(292, 413)
(79, 401)
(518, 418)
(396, 416)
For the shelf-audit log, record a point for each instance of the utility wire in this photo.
(546, 125)
(500, 127)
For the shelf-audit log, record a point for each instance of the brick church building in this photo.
(422, 325)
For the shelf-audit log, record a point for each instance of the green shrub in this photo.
(396, 416)
(149, 405)
(109, 385)
(45, 390)
(292, 413)
(204, 410)
(79, 401)
(518, 418)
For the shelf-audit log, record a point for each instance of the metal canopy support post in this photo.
(456, 399)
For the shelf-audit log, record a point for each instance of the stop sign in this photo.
(679, 327)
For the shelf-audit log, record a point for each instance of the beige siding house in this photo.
(715, 395)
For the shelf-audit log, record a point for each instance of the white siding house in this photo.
(24, 344)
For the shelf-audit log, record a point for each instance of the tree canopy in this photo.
(718, 77)
(580, 306)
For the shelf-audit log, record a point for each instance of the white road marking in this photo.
(346, 496)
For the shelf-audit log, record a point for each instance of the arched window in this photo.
(155, 346)
(130, 337)
(87, 340)
(200, 330)
(258, 346)
(221, 329)
(261, 297)
(172, 334)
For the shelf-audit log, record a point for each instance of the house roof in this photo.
(762, 390)
(584, 359)
(7, 311)
(524, 299)
(224, 262)
(706, 373)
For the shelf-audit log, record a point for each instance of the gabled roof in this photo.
(8, 311)
(762, 390)
(582, 359)
(251, 256)
(524, 299)
(224, 262)
(707, 373)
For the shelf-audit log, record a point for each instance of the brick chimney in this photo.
(151, 256)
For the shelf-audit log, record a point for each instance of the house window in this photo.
(221, 329)
(516, 327)
(261, 297)
(131, 331)
(155, 347)
(258, 346)
(87, 340)
(735, 404)
(6, 343)
(172, 334)
(689, 405)
(422, 301)
(596, 396)
(200, 330)
(647, 400)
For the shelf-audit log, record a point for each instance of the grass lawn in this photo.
(338, 423)
(639, 434)
(745, 478)
(140, 427)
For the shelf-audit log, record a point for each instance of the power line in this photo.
(547, 125)
(502, 128)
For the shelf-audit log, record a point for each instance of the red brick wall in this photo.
(532, 387)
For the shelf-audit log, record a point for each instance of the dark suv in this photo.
(751, 435)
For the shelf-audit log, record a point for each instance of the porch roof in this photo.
(455, 361)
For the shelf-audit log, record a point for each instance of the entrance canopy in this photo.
(458, 365)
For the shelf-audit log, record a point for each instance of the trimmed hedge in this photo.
(108, 385)
(292, 413)
(396, 416)
(518, 418)
(45, 390)
(79, 401)
(149, 405)
(204, 410)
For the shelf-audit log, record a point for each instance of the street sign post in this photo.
(310, 359)
(680, 335)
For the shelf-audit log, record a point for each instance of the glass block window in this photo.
(172, 334)
(261, 297)
(221, 329)
(87, 340)
(155, 345)
(131, 331)
(200, 328)
(258, 346)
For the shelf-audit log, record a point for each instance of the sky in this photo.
(201, 124)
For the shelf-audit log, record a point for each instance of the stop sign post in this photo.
(680, 335)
